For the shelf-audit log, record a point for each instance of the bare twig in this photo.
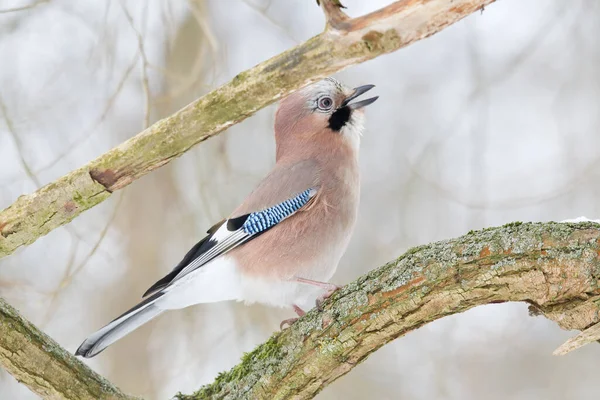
(17, 140)
(71, 272)
(23, 8)
(262, 11)
(334, 15)
(590, 335)
(383, 31)
(107, 107)
(145, 83)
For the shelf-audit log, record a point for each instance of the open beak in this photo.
(357, 92)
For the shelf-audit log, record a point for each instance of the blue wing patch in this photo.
(260, 221)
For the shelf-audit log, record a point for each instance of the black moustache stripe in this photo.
(339, 118)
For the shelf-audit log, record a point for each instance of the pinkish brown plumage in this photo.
(284, 242)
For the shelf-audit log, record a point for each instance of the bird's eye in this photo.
(325, 103)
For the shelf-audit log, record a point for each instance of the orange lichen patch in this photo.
(371, 299)
(363, 317)
(485, 252)
(548, 242)
(410, 284)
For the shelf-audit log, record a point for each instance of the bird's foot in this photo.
(291, 321)
(321, 299)
(288, 322)
(299, 311)
(330, 288)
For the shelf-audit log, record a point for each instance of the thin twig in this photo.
(23, 8)
(71, 272)
(263, 12)
(145, 83)
(590, 335)
(20, 150)
(334, 15)
(107, 107)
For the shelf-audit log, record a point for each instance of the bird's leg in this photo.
(290, 321)
(330, 288)
(299, 311)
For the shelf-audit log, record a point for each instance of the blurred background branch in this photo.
(551, 266)
(23, 8)
(351, 42)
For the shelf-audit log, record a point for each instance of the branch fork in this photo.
(334, 16)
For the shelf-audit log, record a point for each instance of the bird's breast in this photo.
(310, 243)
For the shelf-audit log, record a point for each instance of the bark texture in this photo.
(345, 42)
(554, 267)
(43, 366)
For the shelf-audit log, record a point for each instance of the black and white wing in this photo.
(230, 233)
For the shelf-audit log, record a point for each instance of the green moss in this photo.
(254, 363)
(377, 42)
(452, 268)
(513, 224)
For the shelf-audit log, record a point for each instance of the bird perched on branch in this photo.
(284, 242)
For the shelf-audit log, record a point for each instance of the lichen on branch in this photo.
(554, 267)
(47, 369)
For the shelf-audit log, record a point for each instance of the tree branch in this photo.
(554, 267)
(334, 16)
(344, 43)
(43, 366)
(591, 334)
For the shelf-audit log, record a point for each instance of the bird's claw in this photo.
(289, 322)
(321, 299)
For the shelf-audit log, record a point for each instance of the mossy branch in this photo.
(43, 366)
(345, 42)
(555, 267)
(552, 266)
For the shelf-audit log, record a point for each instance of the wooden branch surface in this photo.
(554, 267)
(43, 366)
(345, 42)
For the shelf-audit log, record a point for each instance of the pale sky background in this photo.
(495, 119)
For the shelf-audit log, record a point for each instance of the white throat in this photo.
(353, 129)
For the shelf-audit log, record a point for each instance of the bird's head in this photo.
(324, 110)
